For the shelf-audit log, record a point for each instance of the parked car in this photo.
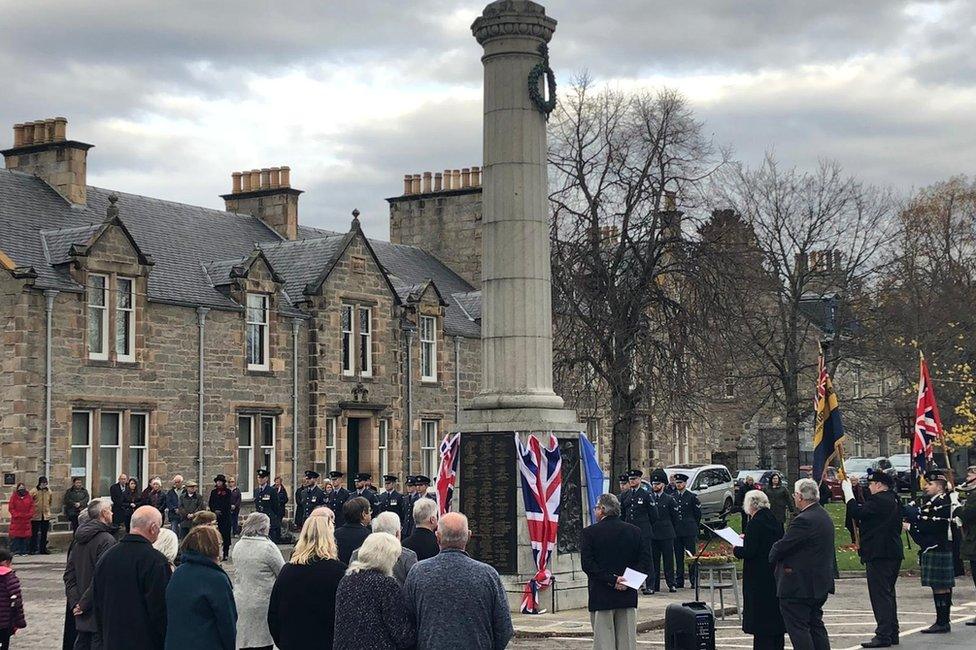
(859, 468)
(830, 479)
(762, 477)
(902, 464)
(713, 485)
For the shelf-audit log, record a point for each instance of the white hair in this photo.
(96, 506)
(155, 481)
(257, 523)
(424, 509)
(808, 489)
(754, 500)
(168, 544)
(386, 522)
(379, 552)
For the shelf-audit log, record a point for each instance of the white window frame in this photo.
(429, 443)
(330, 444)
(87, 479)
(142, 450)
(857, 382)
(248, 451)
(858, 447)
(103, 309)
(117, 447)
(383, 446)
(365, 358)
(428, 348)
(120, 318)
(347, 350)
(682, 442)
(263, 326)
(255, 450)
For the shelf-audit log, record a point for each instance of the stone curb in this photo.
(642, 626)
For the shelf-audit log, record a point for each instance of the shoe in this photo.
(937, 628)
(971, 623)
(672, 590)
(876, 643)
(647, 592)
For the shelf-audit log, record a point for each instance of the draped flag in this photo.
(540, 469)
(447, 474)
(594, 474)
(928, 425)
(828, 431)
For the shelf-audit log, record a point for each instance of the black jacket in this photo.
(266, 502)
(219, 503)
(301, 612)
(688, 515)
(90, 540)
(760, 612)
(348, 538)
(930, 527)
(423, 542)
(115, 493)
(880, 519)
(129, 595)
(804, 558)
(636, 508)
(667, 516)
(393, 502)
(607, 549)
(313, 497)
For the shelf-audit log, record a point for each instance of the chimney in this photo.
(41, 148)
(266, 194)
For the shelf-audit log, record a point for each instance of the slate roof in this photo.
(195, 248)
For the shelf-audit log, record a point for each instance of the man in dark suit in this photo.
(662, 538)
(423, 541)
(608, 548)
(688, 515)
(804, 561)
(391, 500)
(637, 509)
(880, 550)
(115, 493)
(266, 501)
(351, 535)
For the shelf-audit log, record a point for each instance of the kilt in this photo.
(937, 569)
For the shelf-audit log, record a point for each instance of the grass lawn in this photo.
(847, 558)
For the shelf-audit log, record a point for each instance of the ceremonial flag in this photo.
(540, 469)
(594, 474)
(828, 431)
(447, 474)
(928, 425)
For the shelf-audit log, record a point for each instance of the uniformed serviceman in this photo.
(408, 501)
(266, 501)
(391, 500)
(688, 511)
(624, 484)
(299, 518)
(314, 496)
(423, 486)
(640, 512)
(362, 490)
(335, 499)
(662, 540)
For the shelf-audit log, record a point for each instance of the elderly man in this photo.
(607, 549)
(115, 493)
(388, 522)
(91, 540)
(455, 601)
(129, 588)
(804, 569)
(173, 504)
(423, 541)
(880, 550)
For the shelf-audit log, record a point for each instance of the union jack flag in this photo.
(540, 468)
(928, 424)
(447, 473)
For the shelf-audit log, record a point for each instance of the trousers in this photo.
(38, 543)
(768, 642)
(684, 543)
(803, 618)
(662, 549)
(882, 575)
(614, 629)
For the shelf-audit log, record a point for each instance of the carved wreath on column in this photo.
(544, 106)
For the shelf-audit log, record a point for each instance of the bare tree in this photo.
(624, 317)
(812, 252)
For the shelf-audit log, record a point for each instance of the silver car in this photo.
(713, 485)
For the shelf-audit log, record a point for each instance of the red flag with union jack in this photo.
(928, 424)
(542, 483)
(447, 474)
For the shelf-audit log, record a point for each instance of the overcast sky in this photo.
(176, 95)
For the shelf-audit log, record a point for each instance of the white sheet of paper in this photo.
(634, 579)
(728, 535)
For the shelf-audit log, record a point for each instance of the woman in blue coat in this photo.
(200, 609)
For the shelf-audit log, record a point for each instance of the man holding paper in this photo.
(611, 548)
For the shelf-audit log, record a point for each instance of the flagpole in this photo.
(945, 450)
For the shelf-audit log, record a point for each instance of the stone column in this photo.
(516, 324)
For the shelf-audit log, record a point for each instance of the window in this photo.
(858, 448)
(330, 444)
(109, 446)
(730, 382)
(255, 449)
(347, 368)
(682, 451)
(98, 317)
(257, 332)
(125, 306)
(81, 454)
(428, 447)
(857, 382)
(428, 348)
(365, 342)
(384, 447)
(138, 449)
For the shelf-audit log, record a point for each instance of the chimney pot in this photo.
(285, 176)
(447, 179)
(476, 176)
(245, 181)
(49, 130)
(466, 177)
(407, 180)
(265, 178)
(415, 184)
(40, 132)
(255, 179)
(438, 182)
(236, 182)
(427, 188)
(275, 177)
(60, 129)
(18, 135)
(456, 179)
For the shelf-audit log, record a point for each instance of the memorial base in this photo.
(489, 492)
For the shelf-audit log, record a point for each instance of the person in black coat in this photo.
(880, 550)
(688, 518)
(391, 500)
(219, 504)
(131, 500)
(115, 493)
(366, 491)
(804, 560)
(266, 502)
(282, 493)
(637, 508)
(930, 528)
(662, 536)
(423, 541)
(760, 612)
(129, 588)
(607, 549)
(351, 535)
